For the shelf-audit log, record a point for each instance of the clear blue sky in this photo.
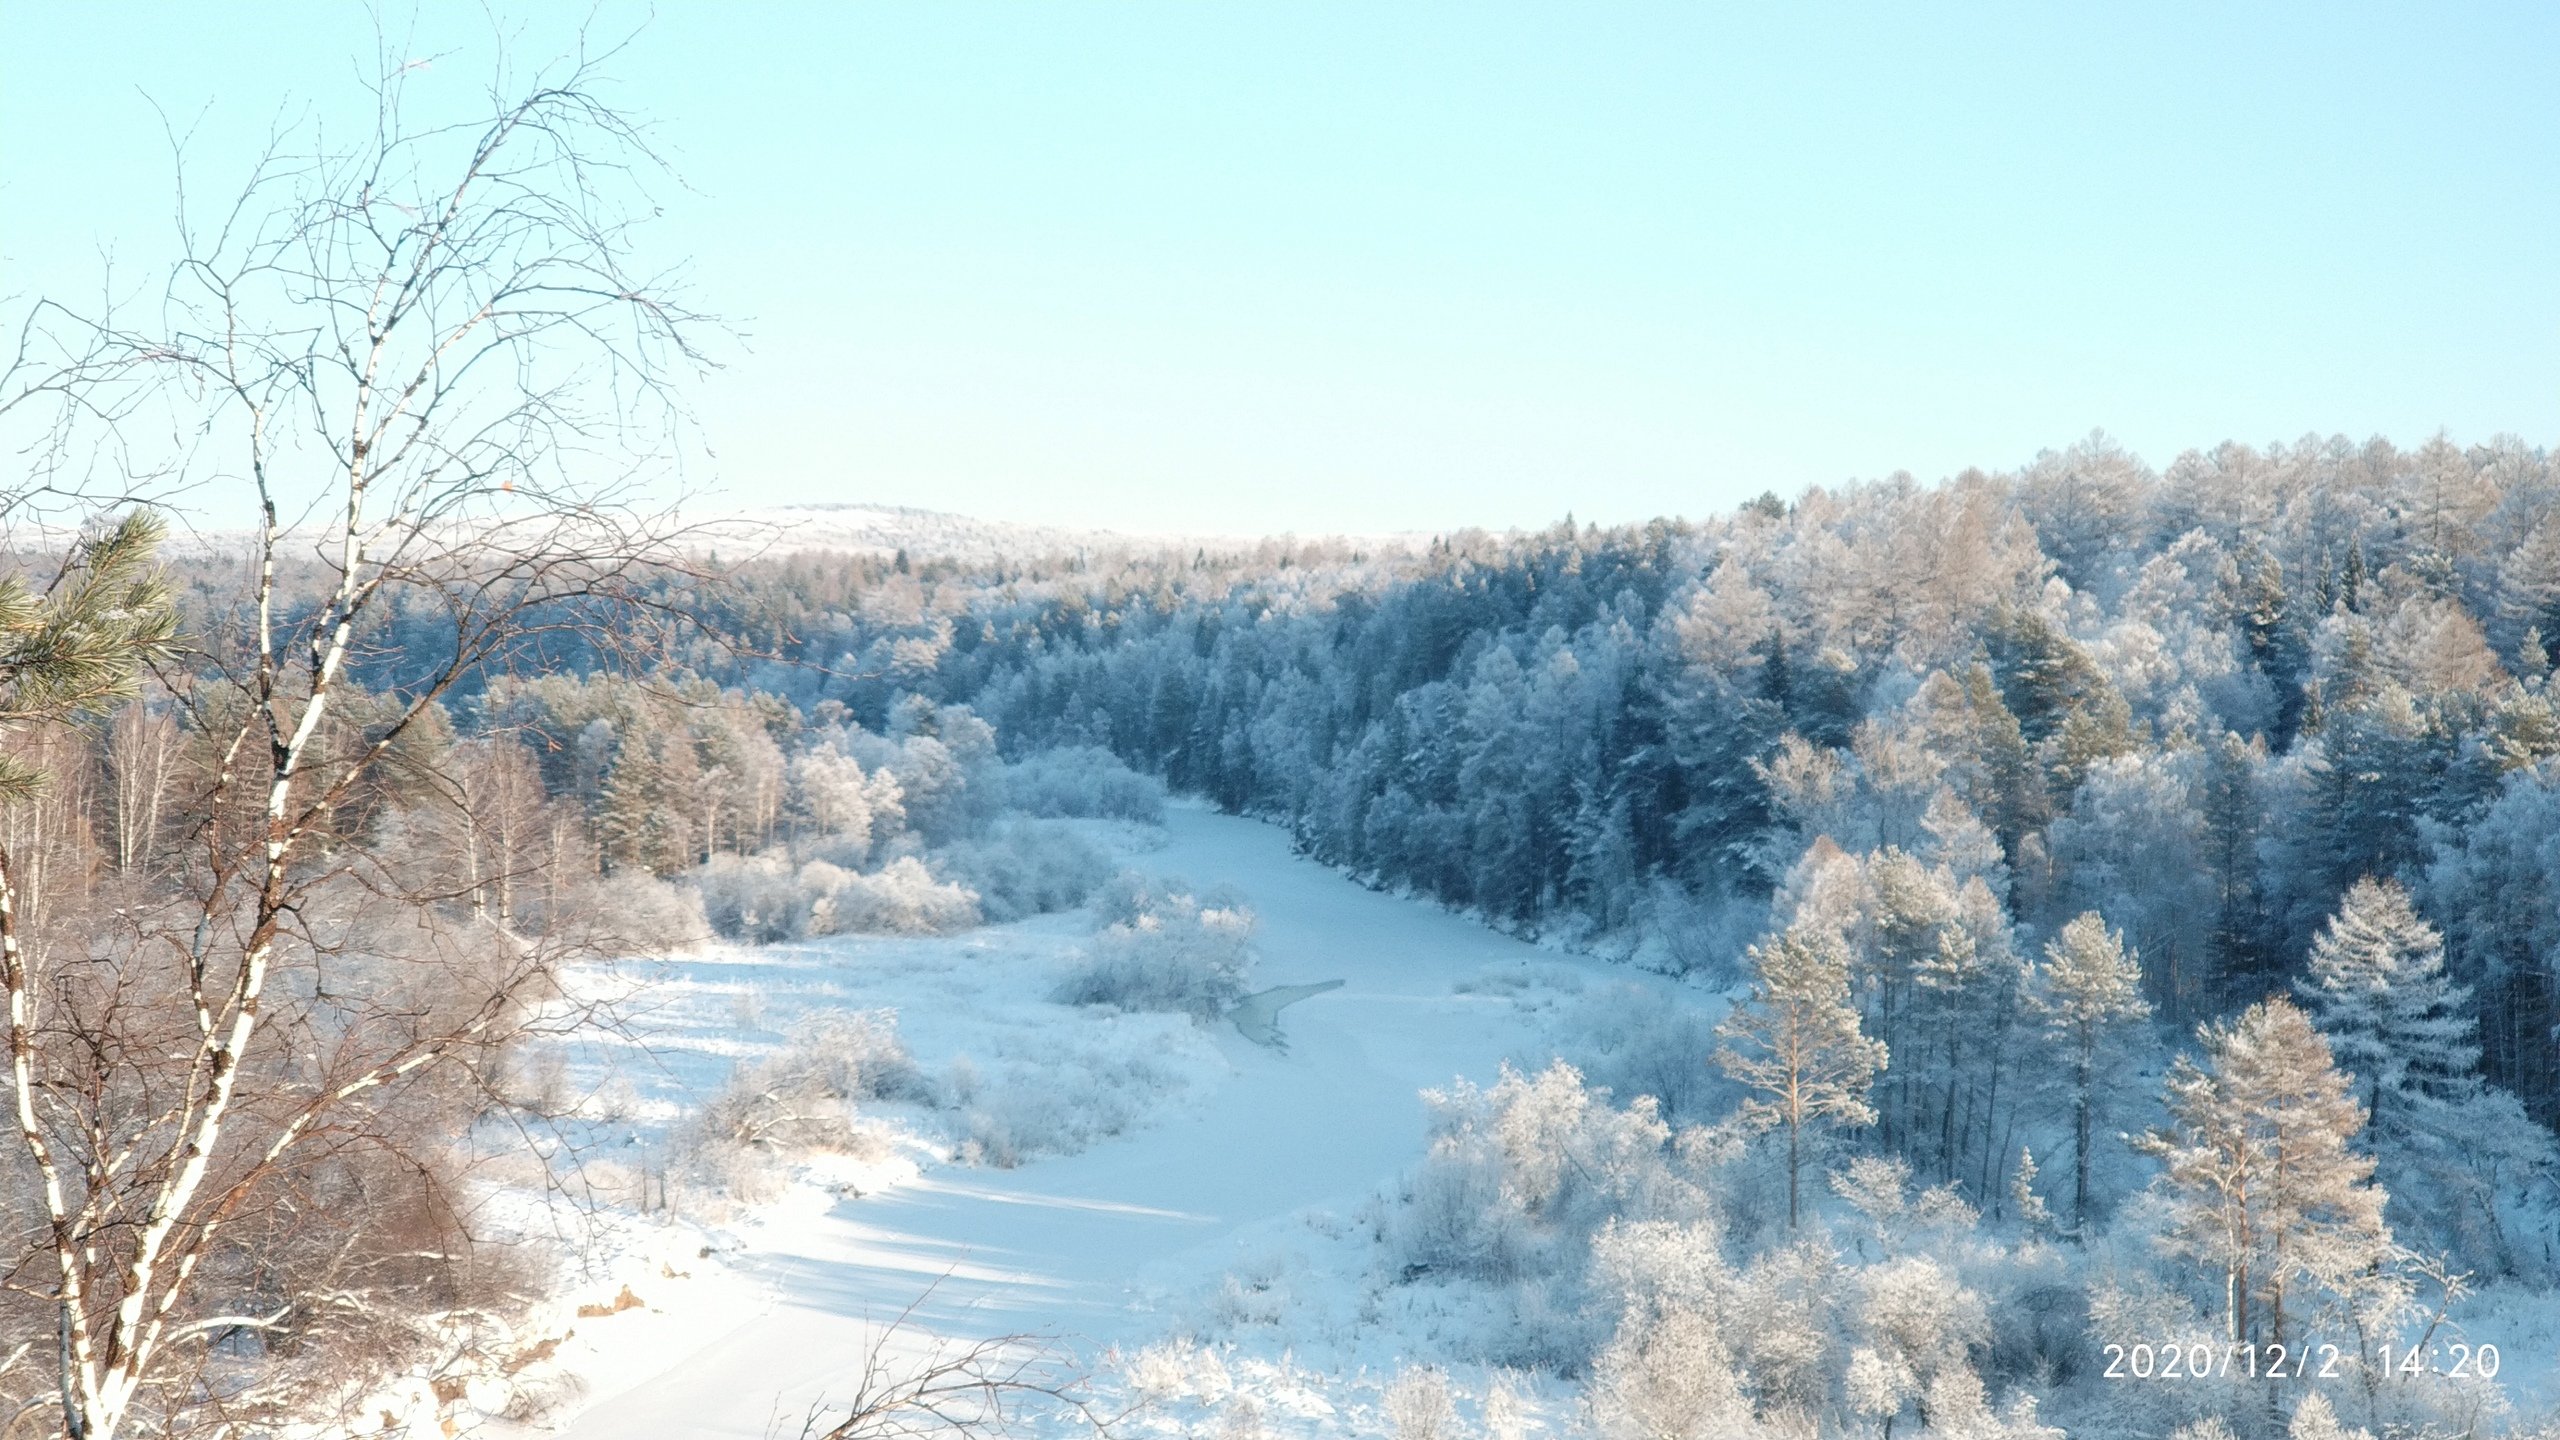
(1364, 266)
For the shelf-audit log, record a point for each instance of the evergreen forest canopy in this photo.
(2221, 715)
(1980, 797)
(2203, 702)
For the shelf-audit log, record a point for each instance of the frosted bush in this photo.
(1164, 949)
(1241, 1419)
(801, 1098)
(1914, 1313)
(1026, 867)
(763, 899)
(1456, 1218)
(1083, 780)
(1418, 1406)
(1506, 1411)
(633, 915)
(1878, 1187)
(1128, 897)
(1178, 1369)
(1519, 1177)
(1635, 1041)
(752, 898)
(1652, 1267)
(1669, 1377)
(901, 898)
(2316, 1419)
(1057, 1105)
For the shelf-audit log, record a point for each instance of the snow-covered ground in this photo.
(1250, 1163)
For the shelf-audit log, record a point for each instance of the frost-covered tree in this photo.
(1671, 1379)
(2489, 884)
(2088, 991)
(2232, 815)
(2135, 846)
(1795, 1043)
(2034, 1216)
(1936, 975)
(1674, 1297)
(2263, 1178)
(2378, 989)
(2316, 1419)
(1921, 1322)
(2441, 1137)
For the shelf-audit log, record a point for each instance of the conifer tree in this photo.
(2233, 816)
(80, 645)
(2253, 596)
(2016, 805)
(2044, 675)
(2529, 589)
(2034, 1216)
(1795, 1043)
(2404, 1030)
(2394, 1019)
(2264, 1181)
(2088, 990)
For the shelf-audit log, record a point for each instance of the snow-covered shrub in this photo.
(632, 914)
(755, 899)
(1669, 1377)
(901, 898)
(2316, 1419)
(1026, 867)
(1915, 1313)
(1678, 933)
(1161, 947)
(1056, 1104)
(1083, 780)
(1180, 1368)
(1418, 1406)
(831, 794)
(1128, 897)
(1648, 1268)
(1633, 1040)
(764, 899)
(800, 1099)
(1519, 1177)
(1878, 1187)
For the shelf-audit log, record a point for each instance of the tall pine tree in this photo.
(1796, 1045)
(2264, 1180)
(2088, 991)
(2394, 1019)
(2442, 1138)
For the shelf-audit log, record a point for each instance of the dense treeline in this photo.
(1974, 793)
(2203, 701)
(2190, 830)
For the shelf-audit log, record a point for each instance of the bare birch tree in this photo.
(431, 362)
(142, 760)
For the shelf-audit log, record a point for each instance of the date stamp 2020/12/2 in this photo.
(2203, 1360)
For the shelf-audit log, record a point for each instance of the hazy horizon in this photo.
(1239, 271)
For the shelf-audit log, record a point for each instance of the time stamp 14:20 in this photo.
(2201, 1360)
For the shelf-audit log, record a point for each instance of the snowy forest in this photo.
(2105, 921)
(2068, 949)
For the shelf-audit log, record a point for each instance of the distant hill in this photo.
(849, 528)
(855, 528)
(886, 529)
